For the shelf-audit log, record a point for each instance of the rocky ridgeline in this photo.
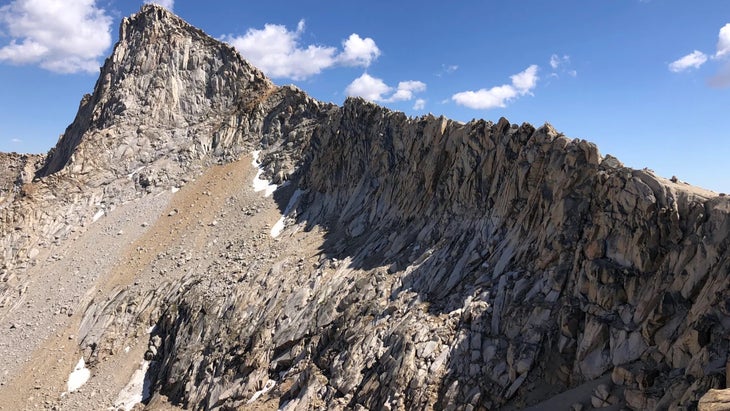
(462, 266)
(563, 266)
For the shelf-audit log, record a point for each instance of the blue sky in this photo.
(646, 80)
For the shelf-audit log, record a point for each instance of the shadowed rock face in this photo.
(460, 266)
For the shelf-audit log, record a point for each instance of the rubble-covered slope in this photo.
(423, 263)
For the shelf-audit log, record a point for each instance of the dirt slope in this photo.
(124, 251)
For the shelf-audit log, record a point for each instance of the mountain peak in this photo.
(154, 17)
(164, 75)
(154, 7)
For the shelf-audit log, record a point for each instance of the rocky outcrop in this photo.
(16, 170)
(481, 261)
(450, 266)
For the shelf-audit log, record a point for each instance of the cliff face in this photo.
(423, 263)
(563, 266)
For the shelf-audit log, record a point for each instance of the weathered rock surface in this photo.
(427, 263)
(715, 400)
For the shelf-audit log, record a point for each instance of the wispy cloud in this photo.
(447, 69)
(419, 104)
(278, 52)
(561, 64)
(375, 89)
(557, 61)
(694, 59)
(499, 96)
(64, 37)
(168, 4)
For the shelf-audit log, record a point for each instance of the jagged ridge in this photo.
(482, 260)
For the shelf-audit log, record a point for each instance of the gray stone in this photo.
(542, 259)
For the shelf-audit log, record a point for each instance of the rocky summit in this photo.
(201, 238)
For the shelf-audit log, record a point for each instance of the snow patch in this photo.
(78, 377)
(281, 224)
(175, 189)
(259, 184)
(98, 215)
(278, 227)
(267, 387)
(136, 391)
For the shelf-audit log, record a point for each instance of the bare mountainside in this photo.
(204, 239)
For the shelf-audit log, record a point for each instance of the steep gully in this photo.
(430, 263)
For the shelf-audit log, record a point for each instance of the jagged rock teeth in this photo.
(429, 263)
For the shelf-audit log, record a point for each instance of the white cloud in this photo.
(16, 140)
(276, 50)
(406, 89)
(375, 89)
(358, 51)
(485, 99)
(694, 59)
(697, 58)
(525, 80)
(65, 37)
(420, 104)
(522, 83)
(368, 87)
(168, 4)
(723, 42)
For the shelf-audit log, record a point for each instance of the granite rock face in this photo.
(168, 91)
(15, 171)
(461, 266)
